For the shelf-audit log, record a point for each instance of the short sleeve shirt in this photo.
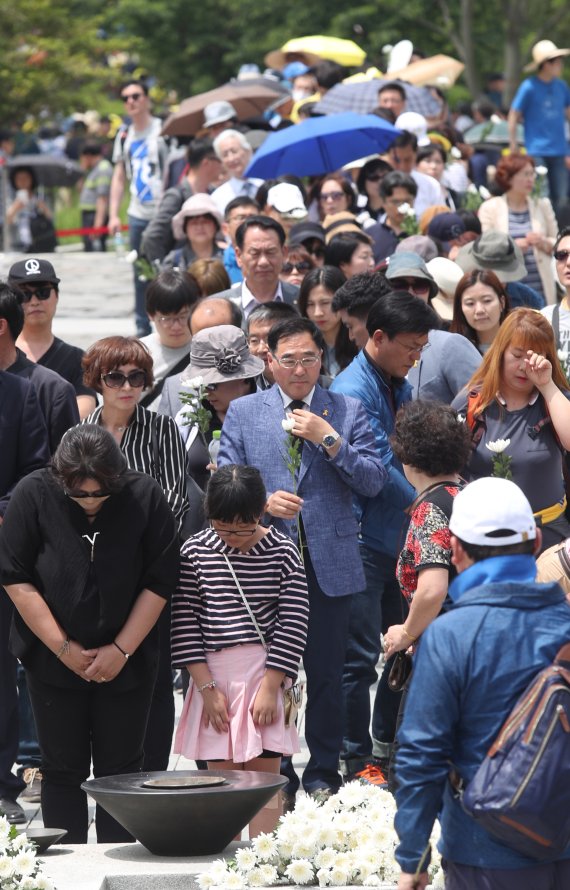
(543, 106)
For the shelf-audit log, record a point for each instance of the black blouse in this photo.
(89, 573)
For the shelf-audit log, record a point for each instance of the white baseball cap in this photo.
(492, 512)
(286, 198)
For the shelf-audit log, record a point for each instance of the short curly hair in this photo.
(429, 437)
(109, 354)
(508, 167)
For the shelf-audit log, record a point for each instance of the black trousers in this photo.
(160, 727)
(10, 785)
(80, 726)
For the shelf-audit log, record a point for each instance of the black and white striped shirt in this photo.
(208, 612)
(137, 446)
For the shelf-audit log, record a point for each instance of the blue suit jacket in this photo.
(252, 435)
(24, 442)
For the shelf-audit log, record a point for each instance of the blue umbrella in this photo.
(321, 145)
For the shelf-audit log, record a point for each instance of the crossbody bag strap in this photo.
(556, 324)
(245, 602)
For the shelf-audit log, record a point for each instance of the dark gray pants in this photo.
(555, 876)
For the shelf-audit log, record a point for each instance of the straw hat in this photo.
(545, 51)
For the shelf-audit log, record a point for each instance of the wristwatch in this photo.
(329, 440)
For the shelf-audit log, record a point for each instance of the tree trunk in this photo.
(466, 30)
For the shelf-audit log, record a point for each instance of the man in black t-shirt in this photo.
(36, 282)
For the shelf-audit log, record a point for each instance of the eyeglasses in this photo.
(419, 285)
(42, 292)
(170, 320)
(332, 196)
(211, 387)
(132, 97)
(303, 266)
(374, 177)
(308, 361)
(239, 533)
(561, 255)
(411, 349)
(116, 379)
(80, 495)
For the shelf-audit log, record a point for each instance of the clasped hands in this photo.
(99, 665)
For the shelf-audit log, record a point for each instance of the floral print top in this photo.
(428, 541)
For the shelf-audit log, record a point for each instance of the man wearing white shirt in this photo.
(234, 151)
(402, 156)
(260, 253)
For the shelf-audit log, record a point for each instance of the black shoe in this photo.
(288, 801)
(13, 811)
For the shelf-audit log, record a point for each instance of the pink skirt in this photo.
(238, 672)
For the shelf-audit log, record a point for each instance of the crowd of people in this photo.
(296, 458)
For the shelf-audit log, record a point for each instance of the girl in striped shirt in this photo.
(233, 712)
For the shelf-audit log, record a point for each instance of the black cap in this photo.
(304, 230)
(31, 271)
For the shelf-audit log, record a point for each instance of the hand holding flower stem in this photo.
(292, 459)
(197, 414)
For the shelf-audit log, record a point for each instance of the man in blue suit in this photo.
(24, 447)
(338, 458)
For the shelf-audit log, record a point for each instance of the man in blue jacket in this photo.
(472, 665)
(398, 326)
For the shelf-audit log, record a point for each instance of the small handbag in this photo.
(292, 695)
(400, 671)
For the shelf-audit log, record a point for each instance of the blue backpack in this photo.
(521, 791)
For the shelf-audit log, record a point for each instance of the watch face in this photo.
(329, 440)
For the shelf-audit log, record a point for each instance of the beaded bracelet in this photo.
(122, 651)
(211, 685)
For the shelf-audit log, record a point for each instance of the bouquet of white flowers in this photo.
(19, 868)
(348, 839)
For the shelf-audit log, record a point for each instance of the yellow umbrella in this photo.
(312, 49)
(369, 74)
(437, 71)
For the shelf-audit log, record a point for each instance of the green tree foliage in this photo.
(54, 59)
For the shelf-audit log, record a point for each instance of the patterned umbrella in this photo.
(362, 98)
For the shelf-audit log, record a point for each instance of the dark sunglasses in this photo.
(42, 292)
(374, 177)
(116, 379)
(303, 266)
(416, 284)
(80, 495)
(134, 96)
(561, 255)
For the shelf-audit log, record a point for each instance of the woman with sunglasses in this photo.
(334, 194)
(315, 302)
(298, 262)
(239, 624)
(89, 557)
(221, 360)
(368, 184)
(120, 369)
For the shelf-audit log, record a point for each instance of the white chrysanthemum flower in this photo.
(234, 881)
(326, 858)
(438, 880)
(27, 884)
(205, 880)
(255, 878)
(405, 208)
(4, 827)
(131, 257)
(455, 152)
(219, 871)
(24, 862)
(561, 353)
(288, 423)
(484, 192)
(323, 877)
(300, 871)
(352, 795)
(20, 841)
(265, 846)
(338, 876)
(498, 446)
(326, 835)
(268, 874)
(194, 382)
(472, 189)
(305, 846)
(43, 883)
(246, 859)
(540, 170)
(6, 867)
(371, 881)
